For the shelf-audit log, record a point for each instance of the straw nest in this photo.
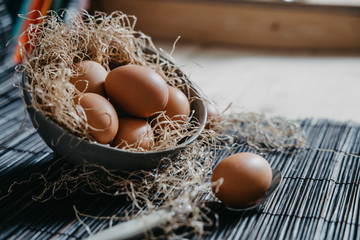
(53, 48)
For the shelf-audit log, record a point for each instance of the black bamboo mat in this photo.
(318, 198)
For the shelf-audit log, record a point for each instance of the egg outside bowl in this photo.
(79, 150)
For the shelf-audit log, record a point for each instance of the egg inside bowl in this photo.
(79, 149)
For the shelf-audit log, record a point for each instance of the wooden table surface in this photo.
(282, 83)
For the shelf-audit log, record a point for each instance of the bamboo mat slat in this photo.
(317, 199)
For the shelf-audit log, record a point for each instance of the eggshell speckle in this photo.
(246, 178)
(101, 117)
(91, 77)
(138, 90)
(133, 130)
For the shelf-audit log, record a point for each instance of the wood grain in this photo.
(240, 23)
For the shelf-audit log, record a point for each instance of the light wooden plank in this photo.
(240, 23)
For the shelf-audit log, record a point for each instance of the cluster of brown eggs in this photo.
(119, 104)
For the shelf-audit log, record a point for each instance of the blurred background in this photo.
(296, 59)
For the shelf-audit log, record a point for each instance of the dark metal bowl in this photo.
(77, 150)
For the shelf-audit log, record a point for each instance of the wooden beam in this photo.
(261, 24)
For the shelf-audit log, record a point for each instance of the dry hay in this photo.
(56, 46)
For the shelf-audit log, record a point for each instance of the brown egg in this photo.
(246, 178)
(133, 130)
(213, 115)
(101, 116)
(177, 108)
(91, 77)
(138, 90)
